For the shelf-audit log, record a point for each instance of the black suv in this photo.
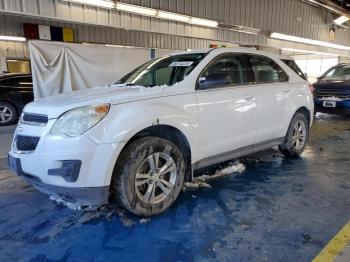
(16, 90)
(332, 90)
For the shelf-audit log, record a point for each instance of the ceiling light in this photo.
(241, 29)
(308, 41)
(12, 38)
(203, 22)
(173, 16)
(341, 20)
(307, 51)
(136, 9)
(145, 11)
(100, 3)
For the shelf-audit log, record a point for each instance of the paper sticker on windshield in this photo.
(183, 63)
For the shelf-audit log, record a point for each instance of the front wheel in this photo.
(8, 114)
(149, 176)
(297, 136)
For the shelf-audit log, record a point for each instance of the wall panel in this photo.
(285, 16)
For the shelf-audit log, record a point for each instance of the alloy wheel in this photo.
(6, 114)
(299, 135)
(155, 178)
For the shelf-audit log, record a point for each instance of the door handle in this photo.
(287, 91)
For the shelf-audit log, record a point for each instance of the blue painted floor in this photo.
(277, 210)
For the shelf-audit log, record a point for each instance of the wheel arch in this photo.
(12, 104)
(306, 112)
(303, 110)
(167, 132)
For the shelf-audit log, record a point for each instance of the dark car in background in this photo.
(332, 90)
(16, 90)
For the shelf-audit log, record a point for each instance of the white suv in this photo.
(138, 140)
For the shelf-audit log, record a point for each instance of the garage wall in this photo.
(84, 33)
(285, 16)
(293, 17)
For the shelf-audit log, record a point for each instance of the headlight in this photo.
(77, 121)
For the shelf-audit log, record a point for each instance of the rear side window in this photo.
(292, 65)
(19, 81)
(266, 70)
(225, 70)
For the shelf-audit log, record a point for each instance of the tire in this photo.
(135, 165)
(297, 136)
(8, 114)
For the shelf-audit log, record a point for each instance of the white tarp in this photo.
(63, 67)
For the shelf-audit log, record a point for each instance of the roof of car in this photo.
(232, 49)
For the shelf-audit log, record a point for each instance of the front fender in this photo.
(125, 120)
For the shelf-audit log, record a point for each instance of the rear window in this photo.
(292, 65)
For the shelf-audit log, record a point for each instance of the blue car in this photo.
(332, 90)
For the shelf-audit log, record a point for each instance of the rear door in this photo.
(22, 86)
(226, 105)
(272, 94)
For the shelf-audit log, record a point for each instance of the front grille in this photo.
(329, 92)
(35, 118)
(26, 143)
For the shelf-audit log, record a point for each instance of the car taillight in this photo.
(312, 88)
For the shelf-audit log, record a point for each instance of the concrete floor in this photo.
(277, 210)
(6, 134)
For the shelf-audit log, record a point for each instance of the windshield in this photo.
(337, 73)
(163, 71)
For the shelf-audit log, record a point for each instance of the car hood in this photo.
(332, 84)
(56, 105)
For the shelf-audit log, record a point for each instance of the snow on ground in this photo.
(62, 202)
(201, 181)
(233, 168)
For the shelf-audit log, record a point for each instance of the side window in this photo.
(3, 82)
(266, 70)
(12, 81)
(226, 70)
(20, 81)
(25, 81)
(294, 67)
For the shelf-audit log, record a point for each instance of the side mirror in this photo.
(201, 82)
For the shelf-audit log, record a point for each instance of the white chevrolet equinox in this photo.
(138, 140)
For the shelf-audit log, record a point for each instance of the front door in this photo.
(226, 105)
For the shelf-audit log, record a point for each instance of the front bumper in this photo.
(77, 169)
(89, 196)
(342, 106)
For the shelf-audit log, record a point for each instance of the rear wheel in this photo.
(8, 114)
(149, 176)
(297, 136)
